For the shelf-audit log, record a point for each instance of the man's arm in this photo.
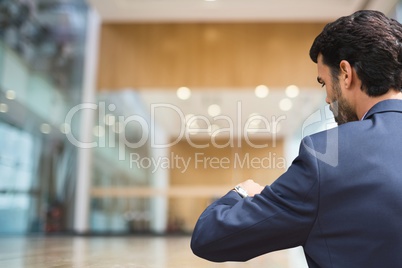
(252, 188)
(281, 216)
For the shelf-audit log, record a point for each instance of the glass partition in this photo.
(41, 66)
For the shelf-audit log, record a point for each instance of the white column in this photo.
(84, 161)
(159, 180)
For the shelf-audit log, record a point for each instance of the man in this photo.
(341, 199)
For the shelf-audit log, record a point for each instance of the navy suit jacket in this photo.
(341, 199)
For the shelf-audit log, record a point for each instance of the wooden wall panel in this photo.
(206, 55)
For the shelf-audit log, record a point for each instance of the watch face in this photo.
(241, 191)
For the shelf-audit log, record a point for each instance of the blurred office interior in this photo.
(130, 117)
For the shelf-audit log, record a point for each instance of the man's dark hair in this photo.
(370, 42)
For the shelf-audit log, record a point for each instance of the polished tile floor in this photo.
(121, 252)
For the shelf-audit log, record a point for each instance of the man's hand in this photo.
(252, 188)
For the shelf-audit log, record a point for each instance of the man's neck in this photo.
(366, 102)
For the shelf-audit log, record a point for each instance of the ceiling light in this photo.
(254, 122)
(183, 93)
(261, 91)
(209, 0)
(292, 91)
(10, 94)
(3, 108)
(214, 110)
(285, 104)
(65, 128)
(45, 128)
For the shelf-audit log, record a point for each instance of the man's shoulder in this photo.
(328, 145)
(344, 131)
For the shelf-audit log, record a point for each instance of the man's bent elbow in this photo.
(203, 251)
(210, 252)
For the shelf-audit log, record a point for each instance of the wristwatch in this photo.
(241, 191)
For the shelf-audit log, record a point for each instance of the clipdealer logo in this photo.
(147, 128)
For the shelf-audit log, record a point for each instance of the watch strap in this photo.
(241, 191)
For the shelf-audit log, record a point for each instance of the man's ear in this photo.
(346, 74)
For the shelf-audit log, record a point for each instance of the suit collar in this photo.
(385, 106)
